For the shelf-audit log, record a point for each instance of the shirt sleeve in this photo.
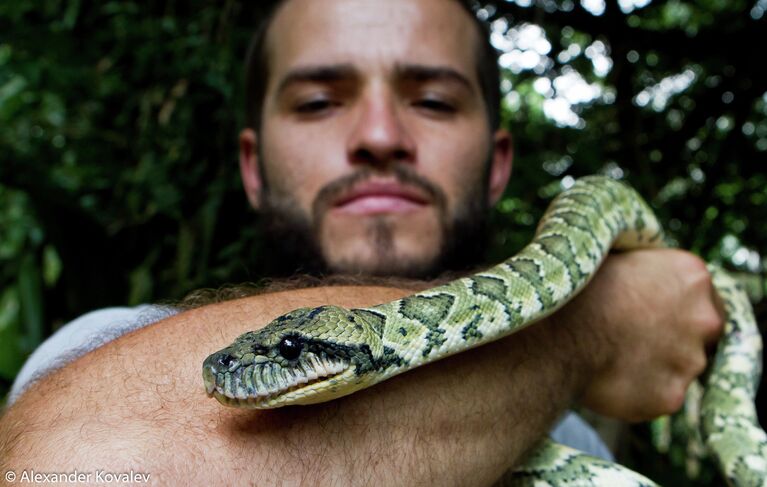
(575, 432)
(82, 335)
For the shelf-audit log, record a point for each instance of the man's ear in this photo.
(500, 165)
(249, 170)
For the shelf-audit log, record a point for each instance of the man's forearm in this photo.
(139, 403)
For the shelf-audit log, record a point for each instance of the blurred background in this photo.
(118, 122)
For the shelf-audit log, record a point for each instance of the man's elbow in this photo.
(46, 438)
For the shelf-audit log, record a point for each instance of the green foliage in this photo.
(118, 180)
(118, 123)
(697, 153)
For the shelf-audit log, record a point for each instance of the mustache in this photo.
(402, 173)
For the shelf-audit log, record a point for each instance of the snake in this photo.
(313, 355)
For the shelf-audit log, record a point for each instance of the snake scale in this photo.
(315, 355)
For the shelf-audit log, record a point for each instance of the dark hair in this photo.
(257, 68)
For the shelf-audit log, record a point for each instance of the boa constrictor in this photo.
(315, 355)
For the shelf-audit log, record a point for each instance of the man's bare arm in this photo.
(138, 402)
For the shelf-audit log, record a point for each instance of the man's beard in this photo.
(293, 242)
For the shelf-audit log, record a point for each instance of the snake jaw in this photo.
(303, 389)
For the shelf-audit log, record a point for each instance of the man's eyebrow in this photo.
(319, 74)
(421, 72)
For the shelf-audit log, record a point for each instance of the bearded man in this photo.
(373, 147)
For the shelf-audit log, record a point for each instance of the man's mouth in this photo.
(376, 197)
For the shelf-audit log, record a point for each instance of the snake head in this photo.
(308, 355)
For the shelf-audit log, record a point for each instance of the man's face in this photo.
(374, 139)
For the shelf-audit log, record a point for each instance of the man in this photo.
(374, 136)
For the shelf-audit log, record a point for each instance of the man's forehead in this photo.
(372, 35)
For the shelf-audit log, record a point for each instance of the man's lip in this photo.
(381, 197)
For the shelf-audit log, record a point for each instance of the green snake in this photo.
(314, 355)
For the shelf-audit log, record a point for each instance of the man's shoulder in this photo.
(82, 335)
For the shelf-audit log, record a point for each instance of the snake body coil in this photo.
(315, 355)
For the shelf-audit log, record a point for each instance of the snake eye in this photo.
(290, 347)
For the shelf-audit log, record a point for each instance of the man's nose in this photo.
(380, 137)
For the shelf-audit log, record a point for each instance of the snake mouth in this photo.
(242, 391)
(268, 401)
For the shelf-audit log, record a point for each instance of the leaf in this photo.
(30, 298)
(11, 353)
(51, 265)
(9, 93)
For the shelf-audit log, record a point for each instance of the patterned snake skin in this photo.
(315, 355)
